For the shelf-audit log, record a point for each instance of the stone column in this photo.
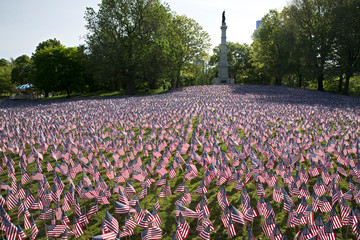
(223, 64)
(223, 76)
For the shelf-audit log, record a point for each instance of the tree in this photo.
(50, 43)
(57, 69)
(190, 44)
(139, 42)
(22, 72)
(313, 21)
(272, 46)
(347, 38)
(125, 37)
(5, 76)
(3, 62)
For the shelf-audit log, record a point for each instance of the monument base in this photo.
(220, 81)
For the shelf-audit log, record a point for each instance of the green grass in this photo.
(167, 206)
(102, 94)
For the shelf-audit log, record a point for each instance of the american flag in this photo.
(144, 221)
(162, 140)
(333, 216)
(302, 206)
(184, 226)
(130, 224)
(345, 211)
(181, 188)
(177, 235)
(11, 230)
(328, 232)
(326, 206)
(276, 234)
(231, 228)
(205, 234)
(111, 222)
(151, 233)
(77, 228)
(268, 226)
(11, 200)
(93, 210)
(121, 208)
(306, 233)
(106, 236)
(186, 212)
(55, 230)
(34, 229)
(83, 220)
(21, 233)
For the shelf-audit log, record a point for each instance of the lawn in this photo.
(256, 154)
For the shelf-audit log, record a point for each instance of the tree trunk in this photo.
(278, 79)
(321, 82)
(177, 84)
(68, 92)
(112, 84)
(340, 83)
(300, 80)
(172, 82)
(117, 84)
(347, 83)
(177, 81)
(130, 86)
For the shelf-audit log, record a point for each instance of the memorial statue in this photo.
(222, 76)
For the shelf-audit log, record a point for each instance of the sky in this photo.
(26, 23)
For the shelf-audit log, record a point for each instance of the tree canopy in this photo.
(5, 76)
(58, 68)
(140, 42)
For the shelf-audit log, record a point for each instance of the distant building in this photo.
(258, 23)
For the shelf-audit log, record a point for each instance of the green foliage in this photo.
(3, 62)
(312, 44)
(57, 69)
(191, 46)
(50, 43)
(5, 77)
(141, 43)
(272, 47)
(347, 39)
(22, 72)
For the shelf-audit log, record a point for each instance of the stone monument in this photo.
(223, 76)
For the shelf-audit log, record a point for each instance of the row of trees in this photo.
(52, 68)
(142, 44)
(311, 42)
(15, 72)
(130, 45)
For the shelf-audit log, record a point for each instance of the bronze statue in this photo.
(223, 17)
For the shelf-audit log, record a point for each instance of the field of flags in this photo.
(203, 162)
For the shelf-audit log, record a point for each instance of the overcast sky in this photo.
(26, 23)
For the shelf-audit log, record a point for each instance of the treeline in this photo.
(135, 45)
(310, 43)
(130, 45)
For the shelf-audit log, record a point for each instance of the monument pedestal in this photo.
(219, 81)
